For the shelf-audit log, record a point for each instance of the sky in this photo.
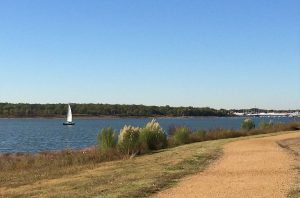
(201, 53)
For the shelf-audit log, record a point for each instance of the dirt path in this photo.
(249, 168)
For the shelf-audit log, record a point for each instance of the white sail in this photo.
(69, 115)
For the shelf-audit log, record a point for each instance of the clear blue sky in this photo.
(222, 54)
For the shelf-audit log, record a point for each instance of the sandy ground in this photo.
(249, 168)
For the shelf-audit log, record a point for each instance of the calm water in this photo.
(35, 135)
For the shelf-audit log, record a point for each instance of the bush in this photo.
(107, 139)
(181, 135)
(153, 137)
(129, 140)
(248, 124)
(266, 125)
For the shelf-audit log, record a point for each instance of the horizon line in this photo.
(83, 103)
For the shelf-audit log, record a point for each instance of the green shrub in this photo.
(248, 124)
(153, 137)
(107, 139)
(266, 125)
(181, 135)
(129, 140)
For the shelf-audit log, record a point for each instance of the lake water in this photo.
(38, 134)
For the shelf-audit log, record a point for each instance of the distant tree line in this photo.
(51, 110)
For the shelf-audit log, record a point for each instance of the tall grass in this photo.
(55, 160)
(181, 135)
(129, 140)
(248, 124)
(266, 125)
(198, 135)
(107, 139)
(153, 137)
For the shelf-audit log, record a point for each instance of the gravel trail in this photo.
(256, 167)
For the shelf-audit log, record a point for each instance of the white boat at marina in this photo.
(269, 114)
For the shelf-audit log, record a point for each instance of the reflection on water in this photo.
(38, 134)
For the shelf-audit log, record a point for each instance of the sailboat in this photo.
(69, 117)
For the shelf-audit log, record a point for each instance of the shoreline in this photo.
(110, 117)
(52, 152)
(231, 134)
(131, 117)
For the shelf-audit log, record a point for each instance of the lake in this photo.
(39, 134)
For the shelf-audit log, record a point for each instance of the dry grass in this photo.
(19, 169)
(90, 172)
(137, 177)
(220, 133)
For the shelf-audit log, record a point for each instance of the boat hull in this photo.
(69, 123)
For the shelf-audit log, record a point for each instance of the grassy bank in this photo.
(136, 177)
(293, 145)
(47, 162)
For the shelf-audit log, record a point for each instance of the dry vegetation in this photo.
(91, 172)
(136, 177)
(220, 133)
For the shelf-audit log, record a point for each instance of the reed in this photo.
(107, 139)
(181, 135)
(129, 140)
(153, 137)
